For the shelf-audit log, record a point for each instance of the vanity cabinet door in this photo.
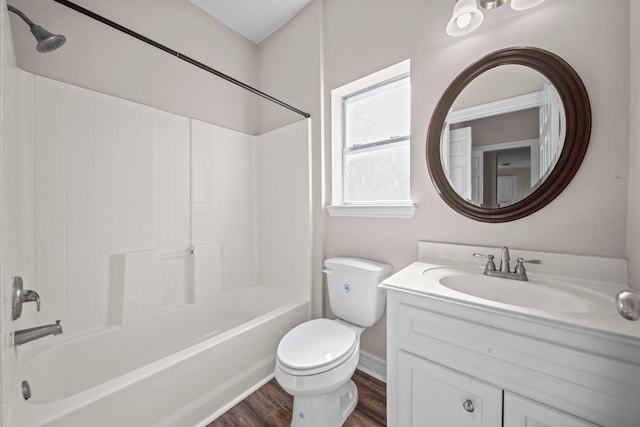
(431, 395)
(522, 412)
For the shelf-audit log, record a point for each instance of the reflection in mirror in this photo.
(503, 136)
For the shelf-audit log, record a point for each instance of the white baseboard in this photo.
(373, 365)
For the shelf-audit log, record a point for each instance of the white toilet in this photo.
(316, 359)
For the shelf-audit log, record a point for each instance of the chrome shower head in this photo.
(47, 41)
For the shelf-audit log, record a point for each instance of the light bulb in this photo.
(463, 20)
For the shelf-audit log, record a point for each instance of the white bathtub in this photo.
(181, 371)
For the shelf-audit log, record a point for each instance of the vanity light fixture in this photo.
(524, 4)
(491, 4)
(466, 16)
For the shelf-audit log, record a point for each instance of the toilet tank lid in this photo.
(357, 265)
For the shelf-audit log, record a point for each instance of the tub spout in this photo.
(27, 335)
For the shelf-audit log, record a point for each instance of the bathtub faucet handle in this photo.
(21, 295)
(31, 296)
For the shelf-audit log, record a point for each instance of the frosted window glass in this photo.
(379, 174)
(378, 114)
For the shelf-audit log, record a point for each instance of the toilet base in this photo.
(325, 410)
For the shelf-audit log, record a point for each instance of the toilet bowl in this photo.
(316, 359)
(315, 363)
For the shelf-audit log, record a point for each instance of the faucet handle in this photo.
(520, 270)
(491, 266)
(528, 261)
(21, 295)
(479, 255)
(29, 295)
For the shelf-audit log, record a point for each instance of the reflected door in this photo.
(507, 190)
(477, 177)
(551, 129)
(460, 161)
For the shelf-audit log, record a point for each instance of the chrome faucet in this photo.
(519, 273)
(26, 335)
(504, 260)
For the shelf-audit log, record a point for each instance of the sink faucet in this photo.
(519, 273)
(504, 260)
(27, 335)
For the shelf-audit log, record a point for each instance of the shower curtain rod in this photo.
(177, 54)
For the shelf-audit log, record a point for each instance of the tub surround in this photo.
(109, 178)
(140, 223)
(558, 368)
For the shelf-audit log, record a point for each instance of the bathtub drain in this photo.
(26, 390)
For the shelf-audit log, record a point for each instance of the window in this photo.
(371, 145)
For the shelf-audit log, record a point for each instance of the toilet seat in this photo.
(316, 346)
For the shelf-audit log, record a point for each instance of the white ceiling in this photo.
(254, 19)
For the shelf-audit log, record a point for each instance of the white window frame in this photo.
(337, 206)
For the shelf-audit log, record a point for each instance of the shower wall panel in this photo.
(16, 218)
(109, 176)
(224, 199)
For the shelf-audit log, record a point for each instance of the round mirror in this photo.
(508, 134)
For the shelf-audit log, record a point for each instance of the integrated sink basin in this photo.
(536, 294)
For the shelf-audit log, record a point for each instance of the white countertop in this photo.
(602, 318)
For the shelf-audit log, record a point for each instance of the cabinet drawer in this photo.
(432, 395)
(522, 412)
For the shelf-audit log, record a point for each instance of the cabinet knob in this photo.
(468, 405)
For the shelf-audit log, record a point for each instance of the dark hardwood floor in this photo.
(270, 406)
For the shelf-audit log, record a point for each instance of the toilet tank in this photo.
(354, 295)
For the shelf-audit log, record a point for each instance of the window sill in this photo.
(372, 211)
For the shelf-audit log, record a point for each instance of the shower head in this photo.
(47, 41)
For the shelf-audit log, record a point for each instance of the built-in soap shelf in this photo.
(177, 279)
(146, 284)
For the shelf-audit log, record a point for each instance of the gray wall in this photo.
(290, 66)
(363, 36)
(100, 58)
(633, 231)
(509, 127)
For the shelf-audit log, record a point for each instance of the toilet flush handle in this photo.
(327, 271)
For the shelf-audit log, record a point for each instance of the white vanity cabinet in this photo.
(432, 395)
(451, 364)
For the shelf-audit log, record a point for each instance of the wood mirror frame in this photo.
(578, 131)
